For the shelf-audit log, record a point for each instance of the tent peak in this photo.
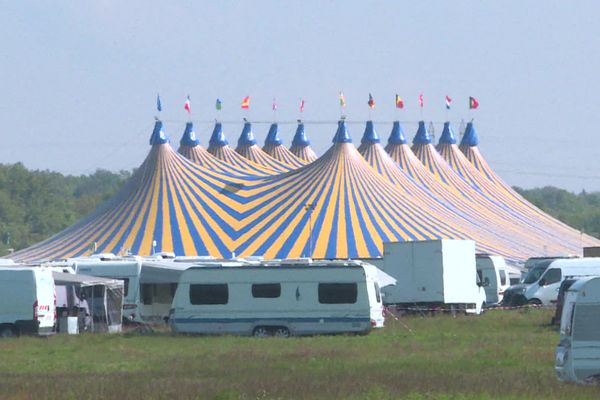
(470, 137)
(370, 135)
(189, 136)
(158, 135)
(447, 135)
(397, 135)
(273, 136)
(218, 138)
(247, 137)
(342, 135)
(422, 136)
(300, 138)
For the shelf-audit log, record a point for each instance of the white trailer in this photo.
(577, 356)
(433, 274)
(27, 301)
(494, 275)
(278, 298)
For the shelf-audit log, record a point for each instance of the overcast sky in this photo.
(79, 79)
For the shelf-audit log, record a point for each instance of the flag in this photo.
(473, 103)
(187, 105)
(302, 105)
(274, 106)
(158, 103)
(399, 102)
(371, 102)
(448, 101)
(421, 100)
(246, 103)
(342, 100)
(219, 104)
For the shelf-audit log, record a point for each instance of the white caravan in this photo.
(126, 269)
(433, 274)
(280, 299)
(577, 357)
(27, 301)
(494, 275)
(541, 286)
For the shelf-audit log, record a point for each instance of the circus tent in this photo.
(342, 205)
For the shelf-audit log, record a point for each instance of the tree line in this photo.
(34, 205)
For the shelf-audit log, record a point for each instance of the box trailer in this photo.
(433, 274)
(278, 299)
(577, 356)
(27, 301)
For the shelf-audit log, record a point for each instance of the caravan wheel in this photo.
(7, 331)
(282, 331)
(261, 331)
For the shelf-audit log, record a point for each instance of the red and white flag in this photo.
(302, 105)
(187, 105)
(274, 105)
(421, 100)
(448, 101)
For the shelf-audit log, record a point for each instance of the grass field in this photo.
(500, 355)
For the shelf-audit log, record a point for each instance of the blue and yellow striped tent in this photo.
(274, 147)
(248, 148)
(301, 145)
(339, 206)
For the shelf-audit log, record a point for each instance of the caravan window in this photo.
(337, 293)
(377, 293)
(209, 294)
(266, 290)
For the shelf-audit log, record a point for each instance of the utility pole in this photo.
(309, 208)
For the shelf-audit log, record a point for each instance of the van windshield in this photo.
(533, 275)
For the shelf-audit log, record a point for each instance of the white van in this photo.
(493, 273)
(27, 301)
(280, 300)
(577, 357)
(544, 289)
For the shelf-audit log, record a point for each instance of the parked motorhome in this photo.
(279, 299)
(27, 301)
(494, 274)
(577, 357)
(433, 274)
(541, 284)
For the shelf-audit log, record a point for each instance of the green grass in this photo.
(500, 355)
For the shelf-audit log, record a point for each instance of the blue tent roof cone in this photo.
(470, 137)
(189, 136)
(247, 137)
(300, 138)
(447, 135)
(397, 135)
(273, 136)
(158, 135)
(342, 135)
(218, 138)
(370, 135)
(422, 136)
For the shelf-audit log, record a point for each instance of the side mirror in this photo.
(486, 282)
(542, 282)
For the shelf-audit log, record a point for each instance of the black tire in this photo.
(282, 332)
(534, 302)
(261, 332)
(7, 331)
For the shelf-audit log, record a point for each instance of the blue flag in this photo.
(158, 104)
